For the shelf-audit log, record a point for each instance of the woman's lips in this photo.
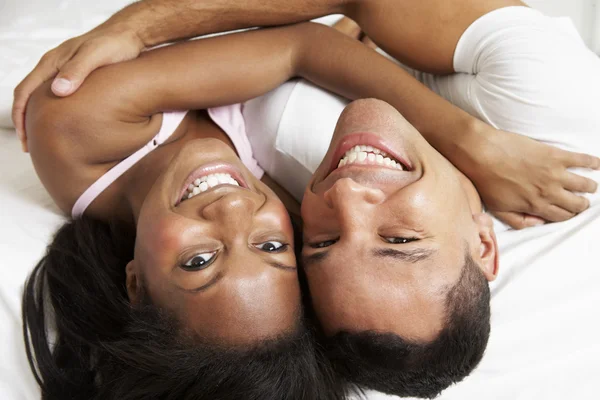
(210, 169)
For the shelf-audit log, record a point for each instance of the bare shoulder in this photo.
(75, 140)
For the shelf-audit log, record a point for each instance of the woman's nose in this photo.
(234, 207)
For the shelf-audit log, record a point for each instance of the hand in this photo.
(70, 64)
(524, 182)
(350, 28)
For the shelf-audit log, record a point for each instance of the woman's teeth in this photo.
(204, 183)
(369, 155)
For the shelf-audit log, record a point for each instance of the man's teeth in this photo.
(204, 183)
(369, 155)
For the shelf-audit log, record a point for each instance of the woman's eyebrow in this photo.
(204, 287)
(411, 255)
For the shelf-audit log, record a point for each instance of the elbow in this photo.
(47, 120)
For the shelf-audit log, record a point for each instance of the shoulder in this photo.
(74, 140)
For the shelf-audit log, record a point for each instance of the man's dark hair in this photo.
(388, 363)
(85, 340)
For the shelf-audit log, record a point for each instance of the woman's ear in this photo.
(132, 281)
(488, 255)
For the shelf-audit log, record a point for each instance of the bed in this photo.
(545, 323)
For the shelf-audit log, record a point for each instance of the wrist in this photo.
(303, 43)
(468, 144)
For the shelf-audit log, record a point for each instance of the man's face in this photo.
(385, 233)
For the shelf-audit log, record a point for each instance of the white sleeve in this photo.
(526, 73)
(530, 74)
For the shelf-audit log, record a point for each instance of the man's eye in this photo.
(399, 240)
(199, 261)
(321, 245)
(272, 246)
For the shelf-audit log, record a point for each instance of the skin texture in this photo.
(382, 246)
(246, 293)
(547, 192)
(128, 98)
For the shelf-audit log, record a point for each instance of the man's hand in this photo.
(520, 179)
(71, 62)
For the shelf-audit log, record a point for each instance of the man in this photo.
(397, 261)
(420, 322)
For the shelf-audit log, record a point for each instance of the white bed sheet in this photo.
(545, 325)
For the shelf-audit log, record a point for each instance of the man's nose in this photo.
(352, 203)
(234, 208)
(347, 193)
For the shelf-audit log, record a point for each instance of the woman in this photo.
(183, 200)
(180, 278)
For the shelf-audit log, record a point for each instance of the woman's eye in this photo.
(321, 245)
(271, 246)
(199, 261)
(399, 240)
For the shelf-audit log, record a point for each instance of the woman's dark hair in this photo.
(85, 340)
(391, 364)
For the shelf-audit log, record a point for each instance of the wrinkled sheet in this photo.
(545, 325)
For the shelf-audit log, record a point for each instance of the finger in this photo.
(76, 70)
(519, 220)
(368, 42)
(571, 202)
(348, 27)
(577, 183)
(41, 73)
(554, 213)
(582, 160)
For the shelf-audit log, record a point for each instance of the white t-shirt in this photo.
(523, 72)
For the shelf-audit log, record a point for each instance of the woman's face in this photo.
(221, 259)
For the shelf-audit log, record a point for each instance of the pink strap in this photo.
(170, 122)
(231, 120)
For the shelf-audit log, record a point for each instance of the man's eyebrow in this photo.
(314, 258)
(412, 256)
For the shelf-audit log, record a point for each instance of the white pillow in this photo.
(29, 28)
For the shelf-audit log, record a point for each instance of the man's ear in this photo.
(131, 281)
(488, 256)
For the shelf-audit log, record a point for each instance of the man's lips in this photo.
(368, 139)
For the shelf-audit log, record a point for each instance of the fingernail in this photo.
(24, 147)
(19, 134)
(61, 85)
(538, 223)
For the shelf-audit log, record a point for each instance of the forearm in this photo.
(203, 73)
(347, 67)
(161, 21)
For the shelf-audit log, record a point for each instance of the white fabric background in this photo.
(545, 327)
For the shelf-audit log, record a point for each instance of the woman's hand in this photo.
(524, 182)
(71, 62)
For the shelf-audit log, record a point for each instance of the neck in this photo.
(143, 175)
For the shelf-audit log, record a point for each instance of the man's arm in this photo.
(161, 21)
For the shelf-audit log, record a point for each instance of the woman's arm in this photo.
(353, 70)
(103, 119)
(230, 69)
(515, 175)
